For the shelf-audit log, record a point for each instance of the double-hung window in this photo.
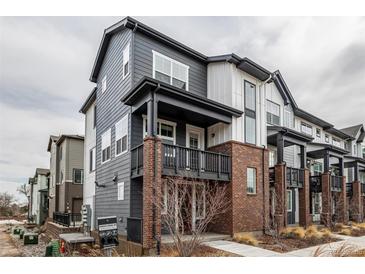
(78, 176)
(250, 113)
(326, 138)
(251, 180)
(272, 113)
(121, 136)
(92, 159)
(166, 130)
(318, 132)
(307, 129)
(105, 146)
(288, 119)
(126, 61)
(170, 71)
(336, 142)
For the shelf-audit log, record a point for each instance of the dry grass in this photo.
(326, 232)
(359, 225)
(293, 232)
(345, 231)
(246, 238)
(201, 251)
(344, 250)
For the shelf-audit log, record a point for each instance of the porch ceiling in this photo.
(175, 101)
(324, 149)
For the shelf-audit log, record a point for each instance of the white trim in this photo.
(110, 144)
(120, 197)
(289, 209)
(104, 84)
(155, 53)
(197, 130)
(125, 118)
(170, 123)
(128, 46)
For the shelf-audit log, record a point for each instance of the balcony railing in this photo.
(67, 219)
(134, 229)
(315, 183)
(336, 183)
(178, 160)
(294, 177)
(137, 161)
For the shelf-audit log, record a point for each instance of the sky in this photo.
(45, 64)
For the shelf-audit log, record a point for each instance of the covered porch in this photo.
(169, 140)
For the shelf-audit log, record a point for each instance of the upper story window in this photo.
(121, 191)
(170, 71)
(318, 132)
(94, 117)
(78, 176)
(363, 152)
(272, 113)
(105, 146)
(121, 136)
(92, 158)
(288, 119)
(250, 112)
(326, 138)
(103, 84)
(307, 129)
(126, 61)
(336, 142)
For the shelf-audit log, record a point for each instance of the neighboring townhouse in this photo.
(89, 109)
(38, 204)
(67, 170)
(53, 171)
(164, 108)
(355, 172)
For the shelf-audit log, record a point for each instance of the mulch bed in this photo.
(201, 251)
(284, 245)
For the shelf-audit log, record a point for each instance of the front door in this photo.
(290, 206)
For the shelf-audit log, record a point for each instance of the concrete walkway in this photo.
(8, 249)
(252, 251)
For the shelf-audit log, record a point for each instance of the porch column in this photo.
(280, 148)
(304, 201)
(326, 161)
(342, 206)
(152, 110)
(326, 199)
(341, 166)
(303, 156)
(356, 206)
(280, 217)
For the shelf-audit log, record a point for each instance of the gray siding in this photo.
(74, 157)
(143, 47)
(289, 156)
(109, 111)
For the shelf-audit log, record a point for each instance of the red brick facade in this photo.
(249, 212)
(304, 201)
(280, 216)
(326, 199)
(356, 202)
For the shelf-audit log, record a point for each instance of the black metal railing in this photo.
(295, 177)
(67, 219)
(134, 229)
(195, 162)
(336, 183)
(349, 189)
(315, 183)
(272, 176)
(137, 160)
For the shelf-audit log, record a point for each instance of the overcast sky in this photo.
(45, 64)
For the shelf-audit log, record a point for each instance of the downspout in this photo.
(262, 104)
(158, 241)
(263, 151)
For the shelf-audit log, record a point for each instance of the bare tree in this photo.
(6, 200)
(188, 207)
(23, 189)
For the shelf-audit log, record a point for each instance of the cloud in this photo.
(45, 64)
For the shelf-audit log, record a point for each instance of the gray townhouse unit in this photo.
(66, 178)
(162, 108)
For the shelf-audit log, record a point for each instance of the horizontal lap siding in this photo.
(143, 60)
(109, 111)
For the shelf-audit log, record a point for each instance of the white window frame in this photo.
(289, 206)
(320, 133)
(288, 119)
(155, 53)
(110, 144)
(307, 126)
(326, 138)
(173, 124)
(126, 60)
(336, 142)
(125, 119)
(255, 181)
(92, 161)
(74, 176)
(121, 186)
(268, 111)
(104, 84)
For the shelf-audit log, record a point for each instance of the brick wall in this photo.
(249, 212)
(54, 230)
(356, 202)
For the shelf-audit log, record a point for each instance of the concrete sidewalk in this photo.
(252, 251)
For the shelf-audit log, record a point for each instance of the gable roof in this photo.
(88, 102)
(353, 130)
(65, 136)
(283, 89)
(42, 171)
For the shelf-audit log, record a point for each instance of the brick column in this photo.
(326, 199)
(304, 202)
(342, 207)
(356, 202)
(151, 189)
(280, 191)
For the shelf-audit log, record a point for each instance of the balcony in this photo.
(67, 219)
(294, 177)
(187, 162)
(336, 183)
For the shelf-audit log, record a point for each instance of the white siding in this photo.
(89, 176)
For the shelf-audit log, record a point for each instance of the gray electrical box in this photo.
(108, 231)
(86, 215)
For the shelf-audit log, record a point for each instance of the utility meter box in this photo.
(30, 238)
(108, 231)
(86, 215)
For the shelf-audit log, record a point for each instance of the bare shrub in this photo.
(246, 238)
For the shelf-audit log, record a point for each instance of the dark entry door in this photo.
(290, 206)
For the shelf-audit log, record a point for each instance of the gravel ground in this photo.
(37, 250)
